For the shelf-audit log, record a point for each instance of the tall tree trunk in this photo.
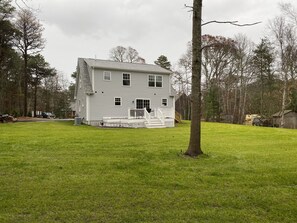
(242, 117)
(194, 148)
(35, 99)
(2, 78)
(235, 106)
(20, 94)
(282, 121)
(25, 84)
(239, 105)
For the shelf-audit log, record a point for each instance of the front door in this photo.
(142, 103)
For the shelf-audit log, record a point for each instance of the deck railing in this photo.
(139, 113)
(168, 112)
(136, 113)
(160, 115)
(147, 116)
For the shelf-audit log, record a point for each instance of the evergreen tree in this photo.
(162, 61)
(212, 104)
(9, 61)
(38, 69)
(29, 42)
(263, 70)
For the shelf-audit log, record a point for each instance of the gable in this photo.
(83, 77)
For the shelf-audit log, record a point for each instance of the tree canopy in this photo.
(162, 61)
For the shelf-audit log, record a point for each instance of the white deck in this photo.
(136, 123)
(123, 123)
(139, 118)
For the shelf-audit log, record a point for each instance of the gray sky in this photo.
(90, 28)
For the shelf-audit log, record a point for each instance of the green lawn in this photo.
(57, 172)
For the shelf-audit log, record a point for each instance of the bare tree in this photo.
(118, 53)
(132, 55)
(182, 83)
(284, 34)
(122, 54)
(289, 11)
(217, 67)
(183, 72)
(29, 41)
(243, 62)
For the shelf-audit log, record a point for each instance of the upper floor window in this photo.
(107, 75)
(118, 101)
(155, 81)
(126, 79)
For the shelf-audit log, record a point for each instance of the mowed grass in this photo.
(57, 172)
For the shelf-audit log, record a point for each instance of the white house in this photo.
(110, 93)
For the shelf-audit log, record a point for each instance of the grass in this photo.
(57, 172)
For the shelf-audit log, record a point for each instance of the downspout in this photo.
(93, 79)
(88, 109)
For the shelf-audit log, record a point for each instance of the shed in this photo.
(290, 119)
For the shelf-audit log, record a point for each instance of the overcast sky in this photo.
(90, 28)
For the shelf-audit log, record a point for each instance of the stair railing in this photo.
(160, 116)
(147, 116)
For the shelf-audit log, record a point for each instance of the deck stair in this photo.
(155, 123)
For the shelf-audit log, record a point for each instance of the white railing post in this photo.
(129, 117)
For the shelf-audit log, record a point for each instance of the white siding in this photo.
(102, 102)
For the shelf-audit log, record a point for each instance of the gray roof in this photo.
(84, 75)
(278, 114)
(123, 66)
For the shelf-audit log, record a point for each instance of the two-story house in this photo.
(110, 93)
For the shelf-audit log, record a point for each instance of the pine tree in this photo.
(162, 61)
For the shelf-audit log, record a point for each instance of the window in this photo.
(159, 81)
(151, 81)
(126, 79)
(107, 75)
(142, 103)
(164, 102)
(155, 81)
(118, 101)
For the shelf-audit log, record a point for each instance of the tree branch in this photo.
(234, 23)
(188, 6)
(24, 2)
(210, 45)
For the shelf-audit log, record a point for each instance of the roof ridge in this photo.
(116, 65)
(113, 61)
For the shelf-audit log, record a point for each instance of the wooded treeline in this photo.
(27, 82)
(240, 77)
